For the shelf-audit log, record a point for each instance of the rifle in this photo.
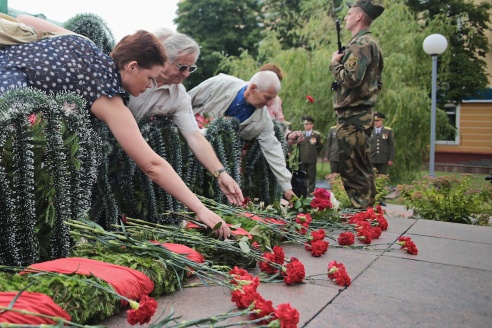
(334, 85)
(340, 48)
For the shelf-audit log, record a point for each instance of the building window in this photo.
(448, 137)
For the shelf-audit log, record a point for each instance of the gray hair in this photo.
(265, 80)
(176, 43)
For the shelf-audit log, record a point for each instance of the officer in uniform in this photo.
(331, 150)
(382, 145)
(309, 148)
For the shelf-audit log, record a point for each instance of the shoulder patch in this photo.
(351, 62)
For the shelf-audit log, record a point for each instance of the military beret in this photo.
(372, 10)
(379, 116)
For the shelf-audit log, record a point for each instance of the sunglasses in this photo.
(184, 68)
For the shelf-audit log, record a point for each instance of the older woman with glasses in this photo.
(135, 63)
(169, 98)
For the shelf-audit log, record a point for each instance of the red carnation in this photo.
(243, 297)
(141, 312)
(407, 244)
(321, 193)
(279, 254)
(346, 238)
(338, 273)
(365, 235)
(304, 218)
(319, 234)
(310, 99)
(262, 308)
(201, 120)
(319, 247)
(265, 266)
(287, 315)
(411, 248)
(32, 119)
(320, 203)
(342, 278)
(382, 223)
(294, 271)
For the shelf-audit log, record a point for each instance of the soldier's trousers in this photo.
(354, 128)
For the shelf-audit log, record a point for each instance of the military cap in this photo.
(372, 10)
(378, 116)
(308, 119)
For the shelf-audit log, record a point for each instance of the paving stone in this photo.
(404, 293)
(456, 231)
(448, 251)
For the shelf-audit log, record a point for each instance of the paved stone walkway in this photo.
(448, 284)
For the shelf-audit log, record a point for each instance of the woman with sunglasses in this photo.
(169, 98)
(74, 63)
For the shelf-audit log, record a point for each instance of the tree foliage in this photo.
(468, 22)
(405, 97)
(225, 27)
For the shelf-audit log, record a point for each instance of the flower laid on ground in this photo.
(338, 273)
(322, 199)
(294, 271)
(288, 317)
(246, 296)
(310, 99)
(369, 224)
(316, 243)
(277, 257)
(407, 244)
(303, 220)
(346, 238)
(141, 312)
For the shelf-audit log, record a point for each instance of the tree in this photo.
(225, 27)
(287, 18)
(466, 74)
(406, 76)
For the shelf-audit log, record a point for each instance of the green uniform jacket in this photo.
(382, 147)
(331, 148)
(310, 147)
(359, 73)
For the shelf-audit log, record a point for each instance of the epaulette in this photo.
(387, 127)
(334, 126)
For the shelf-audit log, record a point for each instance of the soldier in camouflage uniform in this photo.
(357, 71)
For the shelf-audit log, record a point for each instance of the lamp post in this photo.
(434, 45)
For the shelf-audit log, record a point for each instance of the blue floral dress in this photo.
(61, 64)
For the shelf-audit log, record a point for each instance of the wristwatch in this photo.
(218, 172)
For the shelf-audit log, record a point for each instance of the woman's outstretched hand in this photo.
(210, 219)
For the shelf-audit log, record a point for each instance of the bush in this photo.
(450, 199)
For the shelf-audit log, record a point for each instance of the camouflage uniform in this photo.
(358, 82)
